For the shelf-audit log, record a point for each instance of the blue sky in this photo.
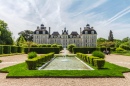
(103, 15)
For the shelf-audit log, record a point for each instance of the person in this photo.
(104, 52)
(107, 52)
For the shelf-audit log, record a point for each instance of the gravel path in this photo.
(117, 59)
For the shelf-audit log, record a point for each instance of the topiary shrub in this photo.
(31, 64)
(99, 63)
(32, 55)
(0, 61)
(91, 60)
(98, 54)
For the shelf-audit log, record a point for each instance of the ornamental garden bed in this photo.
(109, 70)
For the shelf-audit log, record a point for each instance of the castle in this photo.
(86, 38)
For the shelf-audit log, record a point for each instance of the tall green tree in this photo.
(110, 37)
(21, 41)
(5, 34)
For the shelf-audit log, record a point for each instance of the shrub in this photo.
(20, 49)
(7, 49)
(99, 63)
(60, 47)
(120, 50)
(42, 45)
(31, 64)
(1, 49)
(54, 45)
(43, 50)
(91, 59)
(70, 47)
(32, 55)
(48, 45)
(14, 49)
(0, 61)
(98, 54)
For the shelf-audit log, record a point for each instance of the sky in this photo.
(103, 15)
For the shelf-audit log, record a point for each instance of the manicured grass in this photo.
(20, 70)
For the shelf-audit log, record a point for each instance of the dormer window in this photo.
(51, 36)
(86, 32)
(92, 32)
(37, 32)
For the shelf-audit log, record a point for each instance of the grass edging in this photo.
(21, 71)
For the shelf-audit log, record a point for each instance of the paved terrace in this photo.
(117, 59)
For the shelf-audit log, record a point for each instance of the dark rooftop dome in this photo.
(89, 31)
(41, 31)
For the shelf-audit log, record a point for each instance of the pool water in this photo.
(68, 63)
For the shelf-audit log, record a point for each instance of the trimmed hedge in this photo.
(98, 54)
(1, 49)
(43, 50)
(32, 64)
(0, 61)
(7, 49)
(99, 63)
(94, 61)
(20, 49)
(14, 49)
(86, 50)
(91, 59)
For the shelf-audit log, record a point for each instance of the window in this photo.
(43, 32)
(92, 32)
(37, 32)
(86, 32)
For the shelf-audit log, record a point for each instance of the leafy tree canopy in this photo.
(5, 34)
(27, 34)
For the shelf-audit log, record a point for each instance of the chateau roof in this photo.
(74, 33)
(55, 33)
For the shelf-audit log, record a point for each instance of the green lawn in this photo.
(20, 70)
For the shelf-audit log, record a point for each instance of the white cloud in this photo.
(28, 14)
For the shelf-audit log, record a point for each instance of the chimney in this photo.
(37, 27)
(80, 30)
(49, 30)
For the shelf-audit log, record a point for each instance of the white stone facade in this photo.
(86, 38)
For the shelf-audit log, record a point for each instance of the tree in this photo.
(5, 34)
(110, 37)
(27, 34)
(125, 39)
(21, 41)
(101, 39)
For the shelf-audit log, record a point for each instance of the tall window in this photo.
(43, 32)
(37, 32)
